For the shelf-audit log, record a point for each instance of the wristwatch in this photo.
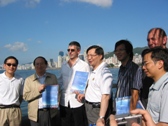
(101, 117)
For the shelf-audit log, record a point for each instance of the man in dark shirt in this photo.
(130, 77)
(156, 37)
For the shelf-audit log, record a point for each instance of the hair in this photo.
(11, 57)
(144, 52)
(98, 50)
(128, 47)
(45, 61)
(75, 43)
(159, 53)
(162, 33)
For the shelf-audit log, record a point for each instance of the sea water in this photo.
(26, 73)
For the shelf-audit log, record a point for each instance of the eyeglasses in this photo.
(10, 64)
(119, 50)
(72, 50)
(91, 55)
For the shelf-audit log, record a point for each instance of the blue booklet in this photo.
(50, 96)
(80, 81)
(123, 105)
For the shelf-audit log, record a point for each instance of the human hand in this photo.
(79, 96)
(41, 88)
(100, 122)
(147, 119)
(112, 120)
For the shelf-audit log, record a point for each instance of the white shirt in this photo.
(100, 82)
(10, 89)
(65, 82)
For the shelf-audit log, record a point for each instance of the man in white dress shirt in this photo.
(99, 87)
(72, 111)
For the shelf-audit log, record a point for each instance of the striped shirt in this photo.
(129, 77)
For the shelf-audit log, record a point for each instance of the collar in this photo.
(103, 64)
(77, 60)
(158, 84)
(36, 77)
(127, 65)
(4, 75)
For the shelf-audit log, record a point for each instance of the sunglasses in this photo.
(72, 50)
(10, 64)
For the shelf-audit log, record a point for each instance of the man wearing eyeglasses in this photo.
(11, 88)
(99, 87)
(156, 37)
(72, 112)
(155, 66)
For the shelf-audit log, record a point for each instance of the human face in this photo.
(40, 66)
(149, 66)
(154, 40)
(94, 59)
(121, 53)
(10, 67)
(73, 52)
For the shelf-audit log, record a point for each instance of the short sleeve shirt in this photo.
(10, 89)
(158, 100)
(100, 82)
(129, 77)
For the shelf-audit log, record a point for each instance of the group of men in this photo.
(92, 107)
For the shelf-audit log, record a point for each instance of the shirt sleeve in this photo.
(164, 104)
(137, 81)
(106, 82)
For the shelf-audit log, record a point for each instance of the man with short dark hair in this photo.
(98, 91)
(11, 89)
(156, 37)
(32, 93)
(155, 66)
(72, 111)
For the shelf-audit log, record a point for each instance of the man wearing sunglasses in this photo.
(72, 112)
(11, 88)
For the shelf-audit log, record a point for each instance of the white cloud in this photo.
(17, 46)
(32, 3)
(102, 3)
(29, 3)
(6, 2)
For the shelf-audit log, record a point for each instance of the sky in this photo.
(31, 28)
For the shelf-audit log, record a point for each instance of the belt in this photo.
(9, 106)
(91, 103)
(44, 109)
(94, 104)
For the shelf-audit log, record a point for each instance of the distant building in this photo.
(52, 63)
(81, 56)
(61, 53)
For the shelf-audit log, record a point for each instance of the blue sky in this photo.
(31, 28)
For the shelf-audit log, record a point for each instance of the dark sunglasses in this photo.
(72, 50)
(9, 64)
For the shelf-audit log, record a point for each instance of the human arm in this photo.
(103, 107)
(31, 90)
(134, 99)
(135, 88)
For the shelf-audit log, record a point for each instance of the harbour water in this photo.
(26, 73)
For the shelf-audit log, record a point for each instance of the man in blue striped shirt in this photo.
(130, 76)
